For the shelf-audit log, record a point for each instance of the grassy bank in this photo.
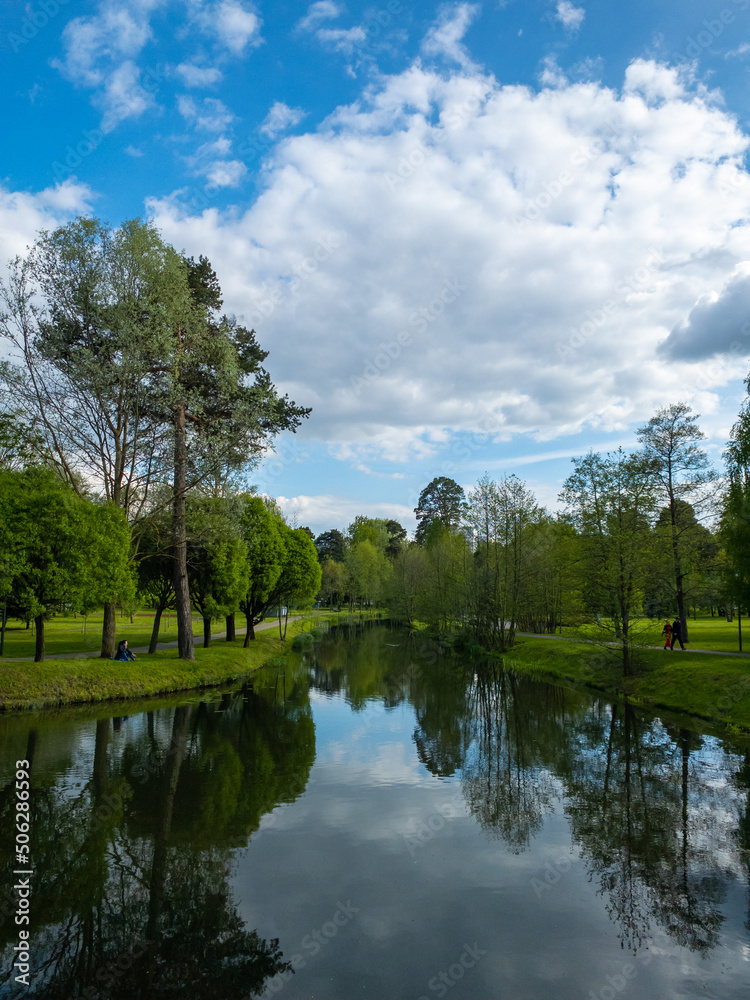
(26, 685)
(68, 682)
(712, 687)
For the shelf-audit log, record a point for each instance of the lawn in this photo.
(705, 632)
(66, 634)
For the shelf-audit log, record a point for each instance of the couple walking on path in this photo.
(672, 634)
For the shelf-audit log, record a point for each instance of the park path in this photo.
(566, 638)
(141, 649)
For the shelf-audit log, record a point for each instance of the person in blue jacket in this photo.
(123, 653)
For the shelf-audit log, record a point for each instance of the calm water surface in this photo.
(377, 821)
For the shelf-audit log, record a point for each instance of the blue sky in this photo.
(473, 237)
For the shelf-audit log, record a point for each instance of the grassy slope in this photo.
(711, 687)
(90, 679)
(66, 682)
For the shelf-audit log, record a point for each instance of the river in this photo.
(375, 818)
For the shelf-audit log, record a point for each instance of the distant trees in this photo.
(442, 501)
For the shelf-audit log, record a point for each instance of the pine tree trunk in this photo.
(39, 648)
(108, 631)
(185, 646)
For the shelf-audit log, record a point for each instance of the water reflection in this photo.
(661, 830)
(138, 821)
(132, 898)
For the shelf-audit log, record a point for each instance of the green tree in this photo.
(441, 500)
(133, 376)
(299, 580)
(20, 444)
(262, 532)
(612, 500)
(68, 551)
(368, 569)
(217, 560)
(330, 545)
(500, 515)
(404, 588)
(670, 442)
(333, 582)
(155, 563)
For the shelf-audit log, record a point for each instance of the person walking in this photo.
(667, 633)
(677, 634)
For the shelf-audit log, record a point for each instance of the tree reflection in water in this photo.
(651, 833)
(133, 900)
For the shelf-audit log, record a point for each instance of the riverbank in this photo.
(88, 679)
(715, 688)
(28, 685)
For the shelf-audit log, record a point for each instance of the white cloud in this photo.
(280, 118)
(22, 214)
(444, 38)
(324, 10)
(344, 40)
(449, 255)
(212, 161)
(741, 50)
(198, 76)
(325, 511)
(570, 16)
(100, 53)
(211, 115)
(124, 96)
(92, 43)
(226, 173)
(234, 25)
(133, 151)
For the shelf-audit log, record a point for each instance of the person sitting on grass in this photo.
(123, 653)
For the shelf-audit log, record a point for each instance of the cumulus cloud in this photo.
(448, 257)
(124, 96)
(718, 323)
(22, 214)
(326, 510)
(280, 118)
(570, 16)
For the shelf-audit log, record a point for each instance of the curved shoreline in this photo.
(87, 679)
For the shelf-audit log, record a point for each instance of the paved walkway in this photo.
(568, 638)
(142, 649)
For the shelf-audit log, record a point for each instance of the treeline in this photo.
(649, 534)
(132, 409)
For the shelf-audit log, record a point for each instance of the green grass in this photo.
(26, 684)
(66, 634)
(68, 682)
(714, 688)
(705, 633)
